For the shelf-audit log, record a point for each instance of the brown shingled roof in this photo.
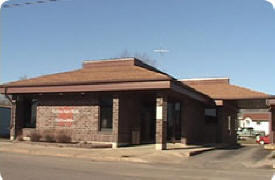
(258, 116)
(104, 75)
(220, 88)
(119, 70)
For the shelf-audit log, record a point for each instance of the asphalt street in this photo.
(214, 165)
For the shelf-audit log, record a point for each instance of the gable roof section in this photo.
(104, 75)
(125, 70)
(221, 89)
(266, 116)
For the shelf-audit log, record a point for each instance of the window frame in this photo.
(210, 116)
(103, 106)
(31, 118)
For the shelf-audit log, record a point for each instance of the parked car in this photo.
(243, 133)
(263, 140)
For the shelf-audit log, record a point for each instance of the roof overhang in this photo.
(191, 93)
(242, 98)
(270, 102)
(257, 103)
(105, 87)
(122, 86)
(6, 107)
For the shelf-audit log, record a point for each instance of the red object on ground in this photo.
(264, 140)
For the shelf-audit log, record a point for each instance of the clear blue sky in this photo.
(213, 38)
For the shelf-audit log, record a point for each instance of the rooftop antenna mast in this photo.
(161, 51)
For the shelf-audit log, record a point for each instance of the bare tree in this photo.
(24, 77)
(125, 54)
(142, 56)
(145, 58)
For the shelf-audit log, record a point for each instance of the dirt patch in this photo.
(74, 145)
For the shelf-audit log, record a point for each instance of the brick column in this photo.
(115, 122)
(272, 124)
(161, 123)
(220, 126)
(184, 120)
(12, 120)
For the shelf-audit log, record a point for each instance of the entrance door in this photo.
(148, 122)
(173, 121)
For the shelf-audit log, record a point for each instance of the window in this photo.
(30, 115)
(210, 116)
(106, 114)
(258, 123)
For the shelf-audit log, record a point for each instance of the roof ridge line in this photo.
(249, 89)
(203, 79)
(110, 59)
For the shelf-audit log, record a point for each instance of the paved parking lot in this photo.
(219, 164)
(241, 158)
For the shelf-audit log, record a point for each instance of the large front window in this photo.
(30, 113)
(174, 121)
(210, 116)
(106, 114)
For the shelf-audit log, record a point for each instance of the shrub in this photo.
(63, 137)
(35, 136)
(19, 138)
(102, 146)
(49, 138)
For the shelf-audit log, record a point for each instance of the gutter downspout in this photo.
(12, 109)
(10, 100)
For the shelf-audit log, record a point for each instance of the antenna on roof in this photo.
(161, 51)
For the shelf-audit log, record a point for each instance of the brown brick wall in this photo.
(161, 122)
(131, 118)
(12, 124)
(272, 128)
(193, 122)
(19, 116)
(116, 102)
(85, 116)
(224, 135)
(84, 111)
(128, 118)
(210, 133)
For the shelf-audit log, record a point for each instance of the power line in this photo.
(28, 3)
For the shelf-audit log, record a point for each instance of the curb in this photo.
(194, 153)
(105, 159)
(83, 153)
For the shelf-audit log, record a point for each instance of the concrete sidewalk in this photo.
(142, 154)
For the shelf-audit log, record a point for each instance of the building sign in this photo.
(64, 115)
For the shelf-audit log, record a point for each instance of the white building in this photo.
(258, 121)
